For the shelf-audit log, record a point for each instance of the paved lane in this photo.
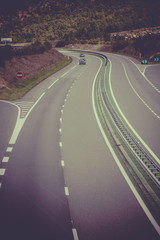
(153, 74)
(33, 204)
(137, 99)
(61, 175)
(8, 115)
(101, 202)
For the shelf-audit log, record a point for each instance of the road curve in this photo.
(136, 92)
(33, 203)
(101, 202)
(61, 181)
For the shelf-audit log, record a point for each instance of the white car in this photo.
(81, 55)
(82, 61)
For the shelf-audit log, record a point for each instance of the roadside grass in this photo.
(18, 90)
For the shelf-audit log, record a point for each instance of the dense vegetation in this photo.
(7, 52)
(147, 45)
(76, 20)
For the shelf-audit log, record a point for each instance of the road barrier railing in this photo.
(140, 165)
(141, 154)
(121, 133)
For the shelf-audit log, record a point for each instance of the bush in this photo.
(37, 47)
(118, 45)
(61, 43)
(47, 46)
(6, 53)
(147, 44)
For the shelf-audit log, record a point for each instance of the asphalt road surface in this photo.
(58, 178)
(136, 89)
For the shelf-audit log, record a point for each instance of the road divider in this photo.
(126, 149)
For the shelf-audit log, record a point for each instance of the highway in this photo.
(58, 177)
(136, 88)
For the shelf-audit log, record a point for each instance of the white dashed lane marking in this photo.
(138, 94)
(75, 235)
(66, 191)
(2, 171)
(5, 159)
(9, 149)
(62, 163)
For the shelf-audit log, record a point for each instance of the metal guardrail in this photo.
(145, 160)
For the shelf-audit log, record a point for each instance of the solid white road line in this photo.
(138, 94)
(17, 129)
(75, 235)
(53, 83)
(130, 126)
(20, 122)
(143, 73)
(65, 74)
(136, 194)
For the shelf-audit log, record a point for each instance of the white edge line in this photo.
(65, 73)
(75, 235)
(20, 122)
(138, 94)
(74, 67)
(143, 74)
(16, 131)
(136, 134)
(34, 105)
(136, 194)
(53, 83)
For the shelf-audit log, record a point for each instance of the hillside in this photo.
(30, 65)
(75, 21)
(35, 68)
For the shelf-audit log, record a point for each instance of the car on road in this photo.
(82, 61)
(81, 55)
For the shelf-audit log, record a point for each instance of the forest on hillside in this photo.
(75, 21)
